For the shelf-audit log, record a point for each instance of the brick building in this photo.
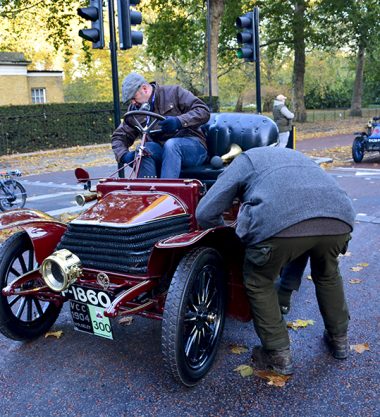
(18, 85)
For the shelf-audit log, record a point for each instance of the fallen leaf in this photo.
(274, 379)
(355, 281)
(309, 277)
(356, 268)
(126, 321)
(360, 348)
(58, 334)
(295, 325)
(364, 264)
(245, 370)
(238, 349)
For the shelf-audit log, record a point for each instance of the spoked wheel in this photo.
(194, 316)
(12, 196)
(358, 149)
(22, 317)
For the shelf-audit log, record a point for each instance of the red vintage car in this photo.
(136, 251)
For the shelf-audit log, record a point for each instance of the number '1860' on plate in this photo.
(87, 311)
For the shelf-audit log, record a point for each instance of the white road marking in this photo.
(52, 184)
(366, 173)
(47, 196)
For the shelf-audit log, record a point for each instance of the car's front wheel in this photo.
(22, 317)
(358, 149)
(194, 315)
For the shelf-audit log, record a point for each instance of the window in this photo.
(38, 95)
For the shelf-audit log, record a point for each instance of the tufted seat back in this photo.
(223, 129)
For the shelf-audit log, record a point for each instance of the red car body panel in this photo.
(44, 231)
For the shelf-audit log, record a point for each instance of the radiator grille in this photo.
(119, 249)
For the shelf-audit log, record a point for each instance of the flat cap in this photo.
(131, 83)
(281, 97)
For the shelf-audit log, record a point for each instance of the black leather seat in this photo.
(222, 130)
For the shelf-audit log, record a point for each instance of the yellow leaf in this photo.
(356, 268)
(274, 379)
(355, 281)
(360, 348)
(237, 349)
(245, 370)
(58, 334)
(364, 264)
(295, 325)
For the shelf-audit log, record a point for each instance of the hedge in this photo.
(41, 127)
(51, 126)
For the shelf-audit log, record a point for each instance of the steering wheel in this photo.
(151, 119)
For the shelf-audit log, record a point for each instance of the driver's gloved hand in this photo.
(170, 124)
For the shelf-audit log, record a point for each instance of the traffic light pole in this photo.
(113, 49)
(257, 62)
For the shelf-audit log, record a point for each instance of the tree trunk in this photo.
(239, 103)
(299, 62)
(216, 13)
(356, 102)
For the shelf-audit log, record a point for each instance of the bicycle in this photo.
(12, 193)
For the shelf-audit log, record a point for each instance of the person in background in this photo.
(283, 118)
(289, 207)
(290, 280)
(181, 142)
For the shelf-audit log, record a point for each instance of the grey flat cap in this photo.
(132, 82)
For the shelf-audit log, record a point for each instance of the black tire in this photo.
(16, 200)
(22, 318)
(194, 316)
(358, 149)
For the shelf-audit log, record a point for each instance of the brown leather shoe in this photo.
(338, 345)
(279, 360)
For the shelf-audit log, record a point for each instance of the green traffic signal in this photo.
(246, 38)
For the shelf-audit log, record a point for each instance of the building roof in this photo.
(13, 58)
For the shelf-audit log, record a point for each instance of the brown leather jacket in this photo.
(170, 100)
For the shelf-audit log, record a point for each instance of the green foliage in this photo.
(42, 127)
(52, 17)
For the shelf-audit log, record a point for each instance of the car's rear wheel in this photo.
(358, 149)
(194, 316)
(22, 317)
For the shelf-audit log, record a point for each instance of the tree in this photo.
(52, 17)
(177, 34)
(356, 26)
(291, 26)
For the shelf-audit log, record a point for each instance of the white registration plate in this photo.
(87, 307)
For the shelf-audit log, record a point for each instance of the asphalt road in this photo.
(81, 375)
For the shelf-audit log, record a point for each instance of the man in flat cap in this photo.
(283, 118)
(181, 142)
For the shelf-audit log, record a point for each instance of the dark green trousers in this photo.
(262, 265)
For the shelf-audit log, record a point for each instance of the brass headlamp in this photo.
(60, 270)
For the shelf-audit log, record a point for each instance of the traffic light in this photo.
(246, 38)
(127, 18)
(94, 13)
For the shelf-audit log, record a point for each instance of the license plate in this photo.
(87, 307)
